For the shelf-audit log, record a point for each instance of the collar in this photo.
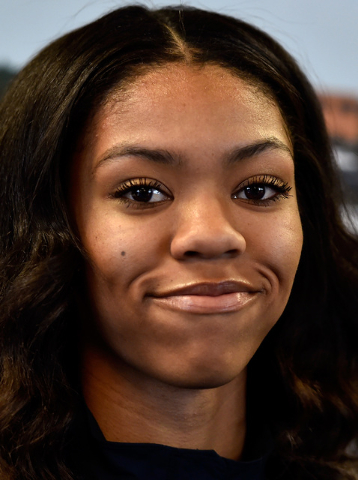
(143, 461)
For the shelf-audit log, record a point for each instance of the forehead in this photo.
(182, 106)
(183, 86)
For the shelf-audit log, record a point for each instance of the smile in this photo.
(208, 298)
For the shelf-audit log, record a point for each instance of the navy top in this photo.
(143, 461)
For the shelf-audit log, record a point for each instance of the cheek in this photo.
(280, 246)
(119, 251)
(114, 259)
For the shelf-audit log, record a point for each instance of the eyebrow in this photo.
(154, 155)
(257, 148)
(167, 158)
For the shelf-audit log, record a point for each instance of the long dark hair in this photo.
(306, 369)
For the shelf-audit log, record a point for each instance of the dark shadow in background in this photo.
(6, 75)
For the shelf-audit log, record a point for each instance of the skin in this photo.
(156, 366)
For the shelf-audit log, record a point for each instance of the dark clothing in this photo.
(128, 461)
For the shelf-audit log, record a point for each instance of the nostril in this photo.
(193, 253)
(207, 243)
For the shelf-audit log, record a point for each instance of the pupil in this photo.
(255, 192)
(142, 194)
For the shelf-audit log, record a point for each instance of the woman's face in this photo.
(184, 198)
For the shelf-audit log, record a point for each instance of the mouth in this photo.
(208, 298)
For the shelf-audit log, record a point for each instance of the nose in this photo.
(207, 230)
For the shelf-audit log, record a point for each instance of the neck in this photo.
(132, 408)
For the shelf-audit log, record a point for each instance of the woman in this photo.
(178, 292)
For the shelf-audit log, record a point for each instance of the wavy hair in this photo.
(306, 369)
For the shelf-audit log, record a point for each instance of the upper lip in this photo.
(212, 289)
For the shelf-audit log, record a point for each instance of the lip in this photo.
(207, 297)
(211, 289)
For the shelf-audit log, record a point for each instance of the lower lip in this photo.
(205, 304)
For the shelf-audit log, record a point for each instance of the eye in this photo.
(262, 190)
(141, 192)
(144, 194)
(256, 192)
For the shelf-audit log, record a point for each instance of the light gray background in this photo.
(321, 34)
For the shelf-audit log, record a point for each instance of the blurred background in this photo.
(322, 35)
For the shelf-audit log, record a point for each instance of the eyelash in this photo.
(281, 188)
(131, 184)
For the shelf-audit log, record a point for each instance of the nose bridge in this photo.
(208, 212)
(206, 227)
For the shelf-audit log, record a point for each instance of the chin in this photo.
(205, 378)
(204, 384)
